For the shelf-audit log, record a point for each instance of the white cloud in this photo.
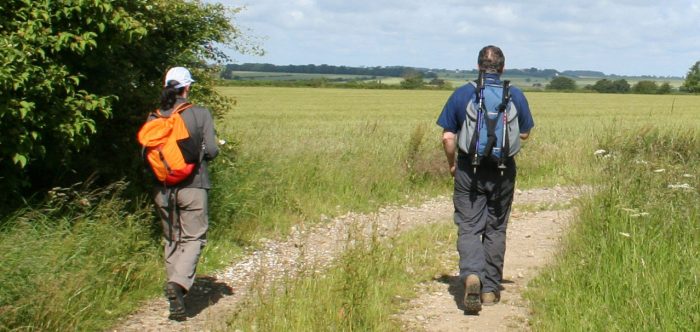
(503, 14)
(622, 37)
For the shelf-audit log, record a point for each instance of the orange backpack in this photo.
(169, 147)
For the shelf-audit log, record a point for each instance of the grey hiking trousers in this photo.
(482, 202)
(184, 218)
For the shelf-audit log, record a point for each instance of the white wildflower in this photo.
(599, 152)
(222, 142)
(680, 186)
(640, 214)
(660, 170)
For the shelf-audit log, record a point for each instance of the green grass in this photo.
(292, 156)
(78, 263)
(306, 152)
(631, 261)
(367, 285)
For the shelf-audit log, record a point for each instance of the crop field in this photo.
(326, 151)
(369, 131)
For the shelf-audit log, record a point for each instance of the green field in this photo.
(376, 126)
(295, 154)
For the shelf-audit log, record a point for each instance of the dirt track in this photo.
(532, 241)
(532, 238)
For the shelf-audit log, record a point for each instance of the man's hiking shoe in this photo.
(175, 295)
(472, 294)
(490, 298)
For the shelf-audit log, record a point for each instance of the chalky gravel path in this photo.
(214, 299)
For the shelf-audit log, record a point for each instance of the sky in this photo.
(625, 37)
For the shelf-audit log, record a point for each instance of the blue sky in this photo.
(627, 37)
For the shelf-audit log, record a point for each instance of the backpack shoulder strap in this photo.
(179, 109)
(475, 96)
(182, 107)
(505, 98)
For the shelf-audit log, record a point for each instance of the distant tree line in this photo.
(389, 71)
(393, 71)
(529, 72)
(563, 83)
(414, 77)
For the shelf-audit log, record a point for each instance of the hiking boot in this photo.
(175, 295)
(490, 298)
(472, 292)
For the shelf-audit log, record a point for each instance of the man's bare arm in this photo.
(449, 143)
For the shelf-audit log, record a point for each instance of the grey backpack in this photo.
(491, 128)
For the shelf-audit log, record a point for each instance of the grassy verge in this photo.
(631, 262)
(361, 293)
(79, 262)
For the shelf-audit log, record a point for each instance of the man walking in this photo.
(484, 172)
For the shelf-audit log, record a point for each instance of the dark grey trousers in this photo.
(184, 231)
(482, 201)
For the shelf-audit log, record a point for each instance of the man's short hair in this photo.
(491, 59)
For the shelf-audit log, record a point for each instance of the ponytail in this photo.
(169, 95)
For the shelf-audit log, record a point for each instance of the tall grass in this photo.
(361, 292)
(568, 128)
(631, 261)
(78, 262)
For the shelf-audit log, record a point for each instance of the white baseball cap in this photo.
(179, 74)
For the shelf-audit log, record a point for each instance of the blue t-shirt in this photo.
(455, 111)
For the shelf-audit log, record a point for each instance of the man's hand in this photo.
(452, 170)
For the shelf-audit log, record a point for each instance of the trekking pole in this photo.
(479, 117)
